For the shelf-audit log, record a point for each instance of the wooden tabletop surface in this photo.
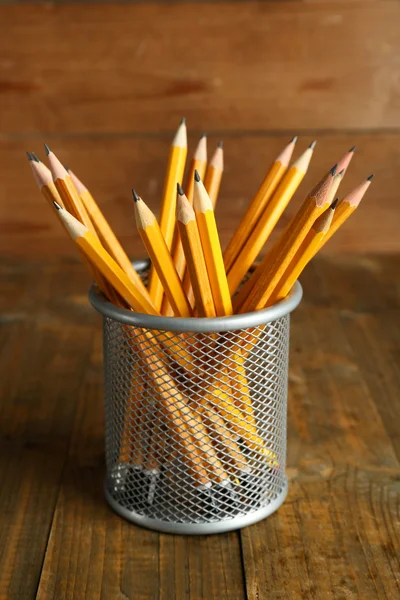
(336, 536)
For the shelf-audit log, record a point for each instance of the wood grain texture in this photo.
(111, 169)
(94, 554)
(247, 65)
(337, 535)
(45, 330)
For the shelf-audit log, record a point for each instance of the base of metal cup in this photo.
(222, 526)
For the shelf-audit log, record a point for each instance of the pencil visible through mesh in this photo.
(195, 423)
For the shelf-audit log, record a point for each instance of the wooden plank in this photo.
(337, 533)
(111, 169)
(250, 65)
(42, 357)
(94, 554)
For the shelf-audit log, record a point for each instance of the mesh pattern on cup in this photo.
(195, 423)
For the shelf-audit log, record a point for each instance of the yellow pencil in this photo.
(346, 207)
(287, 245)
(175, 169)
(105, 232)
(44, 180)
(258, 204)
(305, 253)
(107, 266)
(193, 250)
(67, 191)
(160, 256)
(209, 237)
(269, 219)
(199, 163)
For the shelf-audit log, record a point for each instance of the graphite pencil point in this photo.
(334, 203)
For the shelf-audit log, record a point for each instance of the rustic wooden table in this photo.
(336, 536)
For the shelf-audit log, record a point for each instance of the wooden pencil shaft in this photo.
(307, 250)
(209, 237)
(106, 234)
(257, 206)
(267, 221)
(178, 256)
(174, 175)
(160, 256)
(197, 268)
(314, 205)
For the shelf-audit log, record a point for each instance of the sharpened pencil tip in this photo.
(196, 175)
(183, 121)
(35, 158)
(203, 135)
(220, 144)
(313, 144)
(352, 149)
(333, 170)
(334, 204)
(370, 178)
(66, 168)
(179, 189)
(294, 140)
(29, 155)
(135, 196)
(341, 173)
(58, 207)
(47, 149)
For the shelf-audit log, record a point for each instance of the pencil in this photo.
(199, 163)
(212, 180)
(44, 180)
(193, 250)
(305, 253)
(245, 289)
(210, 243)
(344, 162)
(187, 423)
(160, 256)
(288, 244)
(258, 204)
(105, 232)
(269, 218)
(107, 266)
(175, 169)
(63, 182)
(346, 207)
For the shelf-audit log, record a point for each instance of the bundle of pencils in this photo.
(190, 276)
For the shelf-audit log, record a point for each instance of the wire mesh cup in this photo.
(195, 423)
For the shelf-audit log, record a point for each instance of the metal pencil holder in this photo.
(195, 416)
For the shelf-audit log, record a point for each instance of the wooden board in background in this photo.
(250, 66)
(110, 168)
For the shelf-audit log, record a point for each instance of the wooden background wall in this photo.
(105, 87)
